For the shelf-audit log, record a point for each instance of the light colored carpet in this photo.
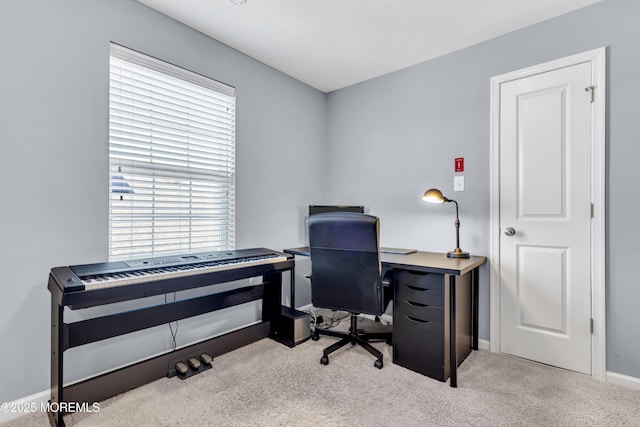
(268, 384)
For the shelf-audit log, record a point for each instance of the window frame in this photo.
(184, 139)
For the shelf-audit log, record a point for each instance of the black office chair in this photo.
(346, 275)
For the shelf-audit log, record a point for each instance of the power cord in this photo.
(322, 321)
(313, 318)
(174, 334)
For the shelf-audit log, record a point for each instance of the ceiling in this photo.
(331, 44)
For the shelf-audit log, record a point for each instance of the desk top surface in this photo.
(424, 261)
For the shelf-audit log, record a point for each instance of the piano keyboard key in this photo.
(108, 280)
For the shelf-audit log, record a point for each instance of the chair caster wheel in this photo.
(378, 364)
(315, 336)
(324, 360)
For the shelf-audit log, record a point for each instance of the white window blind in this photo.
(171, 159)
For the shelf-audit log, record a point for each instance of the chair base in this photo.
(353, 337)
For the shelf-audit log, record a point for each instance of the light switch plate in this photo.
(458, 183)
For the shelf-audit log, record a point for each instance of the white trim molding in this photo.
(484, 345)
(597, 59)
(24, 406)
(623, 380)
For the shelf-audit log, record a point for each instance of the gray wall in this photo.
(393, 137)
(54, 176)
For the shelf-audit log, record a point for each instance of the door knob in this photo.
(510, 231)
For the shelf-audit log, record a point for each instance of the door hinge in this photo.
(593, 209)
(591, 326)
(591, 89)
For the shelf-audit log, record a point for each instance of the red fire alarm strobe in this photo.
(459, 164)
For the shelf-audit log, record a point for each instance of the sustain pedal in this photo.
(194, 363)
(206, 359)
(182, 369)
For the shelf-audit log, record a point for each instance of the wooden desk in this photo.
(428, 273)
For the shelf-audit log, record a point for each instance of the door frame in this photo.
(597, 58)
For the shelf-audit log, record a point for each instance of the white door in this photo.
(545, 217)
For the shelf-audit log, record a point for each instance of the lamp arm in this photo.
(457, 225)
(456, 203)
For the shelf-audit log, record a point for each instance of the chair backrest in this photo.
(345, 262)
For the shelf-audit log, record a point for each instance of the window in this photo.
(171, 159)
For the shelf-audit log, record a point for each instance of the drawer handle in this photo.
(416, 304)
(416, 273)
(417, 320)
(415, 288)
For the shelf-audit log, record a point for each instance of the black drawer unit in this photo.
(421, 322)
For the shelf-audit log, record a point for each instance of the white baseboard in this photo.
(483, 345)
(623, 380)
(23, 406)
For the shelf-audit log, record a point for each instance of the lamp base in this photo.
(458, 253)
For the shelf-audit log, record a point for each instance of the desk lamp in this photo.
(434, 195)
